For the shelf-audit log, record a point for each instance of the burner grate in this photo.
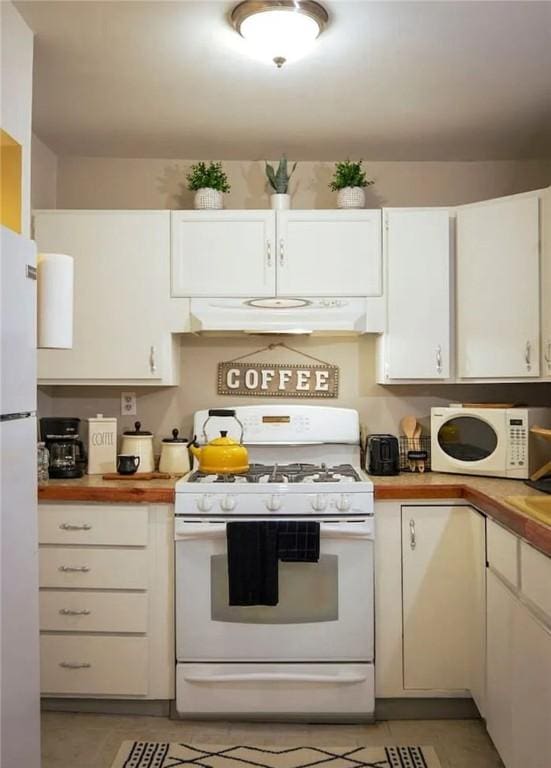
(282, 473)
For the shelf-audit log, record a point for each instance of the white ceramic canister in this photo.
(174, 455)
(102, 445)
(139, 442)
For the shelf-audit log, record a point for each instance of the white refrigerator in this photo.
(19, 640)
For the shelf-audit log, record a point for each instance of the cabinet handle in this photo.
(439, 359)
(412, 538)
(528, 355)
(72, 527)
(152, 360)
(74, 664)
(71, 612)
(74, 568)
(281, 252)
(269, 253)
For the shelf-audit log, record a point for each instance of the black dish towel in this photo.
(252, 562)
(253, 552)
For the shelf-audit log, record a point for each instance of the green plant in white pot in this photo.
(279, 182)
(209, 182)
(349, 181)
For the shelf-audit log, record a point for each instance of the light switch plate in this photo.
(129, 405)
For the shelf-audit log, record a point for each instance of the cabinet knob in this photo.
(152, 360)
(439, 359)
(281, 252)
(528, 355)
(269, 253)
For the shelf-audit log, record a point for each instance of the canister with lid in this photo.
(174, 455)
(102, 445)
(139, 442)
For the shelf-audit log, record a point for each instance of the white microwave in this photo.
(495, 442)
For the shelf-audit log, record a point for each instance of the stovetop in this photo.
(296, 473)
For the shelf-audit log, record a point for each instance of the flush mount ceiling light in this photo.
(280, 30)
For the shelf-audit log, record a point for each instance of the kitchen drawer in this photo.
(95, 666)
(113, 524)
(535, 577)
(246, 689)
(93, 568)
(503, 552)
(87, 611)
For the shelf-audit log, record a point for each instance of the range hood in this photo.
(290, 316)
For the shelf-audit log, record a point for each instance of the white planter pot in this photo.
(281, 202)
(207, 198)
(351, 197)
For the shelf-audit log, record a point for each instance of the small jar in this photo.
(42, 463)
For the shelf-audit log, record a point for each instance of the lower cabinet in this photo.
(430, 601)
(106, 600)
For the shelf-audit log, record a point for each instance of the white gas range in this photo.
(311, 655)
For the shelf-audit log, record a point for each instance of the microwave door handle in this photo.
(282, 677)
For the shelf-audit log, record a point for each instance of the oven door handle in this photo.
(277, 677)
(195, 531)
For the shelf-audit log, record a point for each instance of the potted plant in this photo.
(209, 182)
(349, 181)
(279, 182)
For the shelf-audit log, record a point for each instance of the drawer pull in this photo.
(73, 527)
(74, 568)
(71, 612)
(74, 664)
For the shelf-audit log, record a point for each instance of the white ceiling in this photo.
(385, 81)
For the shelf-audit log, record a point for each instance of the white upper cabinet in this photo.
(498, 288)
(121, 297)
(545, 213)
(223, 253)
(329, 253)
(416, 247)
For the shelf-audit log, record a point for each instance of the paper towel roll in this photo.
(55, 301)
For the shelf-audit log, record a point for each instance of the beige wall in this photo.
(381, 408)
(103, 182)
(43, 175)
(150, 183)
(17, 94)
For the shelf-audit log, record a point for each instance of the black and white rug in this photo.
(149, 754)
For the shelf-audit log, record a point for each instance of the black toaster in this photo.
(383, 455)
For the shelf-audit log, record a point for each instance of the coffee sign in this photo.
(278, 380)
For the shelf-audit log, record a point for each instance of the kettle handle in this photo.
(222, 412)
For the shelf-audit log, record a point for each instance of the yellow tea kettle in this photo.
(223, 455)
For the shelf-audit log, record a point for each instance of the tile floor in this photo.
(91, 741)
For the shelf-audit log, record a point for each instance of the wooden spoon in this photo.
(417, 446)
(408, 426)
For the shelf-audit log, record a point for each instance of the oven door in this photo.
(325, 609)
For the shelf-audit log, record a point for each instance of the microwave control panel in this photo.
(518, 442)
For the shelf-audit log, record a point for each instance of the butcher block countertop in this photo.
(487, 494)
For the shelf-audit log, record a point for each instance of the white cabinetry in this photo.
(545, 217)
(518, 660)
(263, 253)
(429, 601)
(498, 288)
(329, 253)
(416, 248)
(123, 315)
(223, 253)
(106, 600)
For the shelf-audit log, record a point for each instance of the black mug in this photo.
(127, 464)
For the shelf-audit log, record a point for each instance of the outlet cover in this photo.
(129, 405)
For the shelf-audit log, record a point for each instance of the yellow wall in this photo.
(10, 182)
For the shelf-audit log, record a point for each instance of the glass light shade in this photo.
(280, 34)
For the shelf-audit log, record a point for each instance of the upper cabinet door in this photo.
(121, 294)
(223, 253)
(329, 253)
(417, 254)
(498, 288)
(546, 281)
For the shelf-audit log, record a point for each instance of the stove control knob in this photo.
(228, 504)
(273, 504)
(204, 503)
(343, 503)
(319, 503)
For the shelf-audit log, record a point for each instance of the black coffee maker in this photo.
(67, 454)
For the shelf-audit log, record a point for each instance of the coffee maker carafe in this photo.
(67, 454)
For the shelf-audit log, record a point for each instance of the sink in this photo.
(538, 507)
